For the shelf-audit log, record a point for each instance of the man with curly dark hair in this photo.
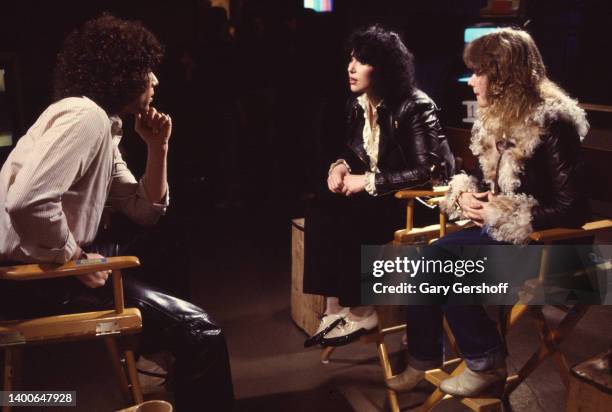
(62, 173)
(108, 60)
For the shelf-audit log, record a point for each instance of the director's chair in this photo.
(108, 325)
(550, 337)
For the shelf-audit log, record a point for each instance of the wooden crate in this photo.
(306, 309)
(590, 387)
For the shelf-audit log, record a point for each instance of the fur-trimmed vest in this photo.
(536, 174)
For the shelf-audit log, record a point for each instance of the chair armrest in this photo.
(589, 229)
(73, 268)
(435, 200)
(411, 194)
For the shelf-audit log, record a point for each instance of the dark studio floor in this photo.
(240, 272)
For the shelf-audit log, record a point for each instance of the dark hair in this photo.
(393, 75)
(106, 60)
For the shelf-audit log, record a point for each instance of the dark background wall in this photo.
(258, 112)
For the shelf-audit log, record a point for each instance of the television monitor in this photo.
(471, 34)
(467, 100)
(319, 5)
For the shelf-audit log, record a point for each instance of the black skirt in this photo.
(336, 227)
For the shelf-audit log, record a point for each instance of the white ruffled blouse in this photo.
(371, 140)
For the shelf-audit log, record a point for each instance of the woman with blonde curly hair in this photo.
(527, 139)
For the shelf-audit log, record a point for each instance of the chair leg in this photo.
(12, 367)
(113, 353)
(326, 354)
(451, 337)
(8, 374)
(516, 313)
(133, 374)
(550, 339)
(437, 396)
(383, 356)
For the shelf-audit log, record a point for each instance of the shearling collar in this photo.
(521, 144)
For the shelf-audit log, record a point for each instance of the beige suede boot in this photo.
(407, 380)
(472, 384)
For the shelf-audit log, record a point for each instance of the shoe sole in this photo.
(495, 390)
(346, 339)
(316, 339)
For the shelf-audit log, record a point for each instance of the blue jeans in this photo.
(476, 334)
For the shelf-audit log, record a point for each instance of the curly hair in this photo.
(393, 76)
(107, 60)
(516, 75)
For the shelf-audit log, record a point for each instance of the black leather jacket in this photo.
(412, 148)
(555, 177)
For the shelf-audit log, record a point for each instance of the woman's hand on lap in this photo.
(472, 205)
(335, 180)
(354, 184)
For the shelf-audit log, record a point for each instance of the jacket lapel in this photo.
(355, 142)
(385, 122)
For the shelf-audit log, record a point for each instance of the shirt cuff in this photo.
(161, 206)
(56, 255)
(371, 183)
(338, 162)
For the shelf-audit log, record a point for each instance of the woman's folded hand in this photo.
(473, 204)
(335, 180)
(354, 184)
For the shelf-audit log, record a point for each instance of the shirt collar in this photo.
(116, 126)
(362, 99)
(115, 122)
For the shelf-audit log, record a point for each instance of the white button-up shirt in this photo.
(58, 178)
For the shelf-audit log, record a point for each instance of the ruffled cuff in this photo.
(508, 217)
(459, 184)
(338, 162)
(370, 186)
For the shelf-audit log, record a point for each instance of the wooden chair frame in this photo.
(550, 337)
(105, 324)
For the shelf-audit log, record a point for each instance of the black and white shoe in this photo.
(328, 322)
(349, 331)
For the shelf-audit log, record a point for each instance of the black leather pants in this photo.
(202, 370)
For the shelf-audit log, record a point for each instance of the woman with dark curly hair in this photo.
(527, 139)
(59, 178)
(394, 141)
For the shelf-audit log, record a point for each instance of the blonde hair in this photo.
(517, 81)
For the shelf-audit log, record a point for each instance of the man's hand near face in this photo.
(154, 128)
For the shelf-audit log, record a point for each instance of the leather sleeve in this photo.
(418, 127)
(564, 162)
